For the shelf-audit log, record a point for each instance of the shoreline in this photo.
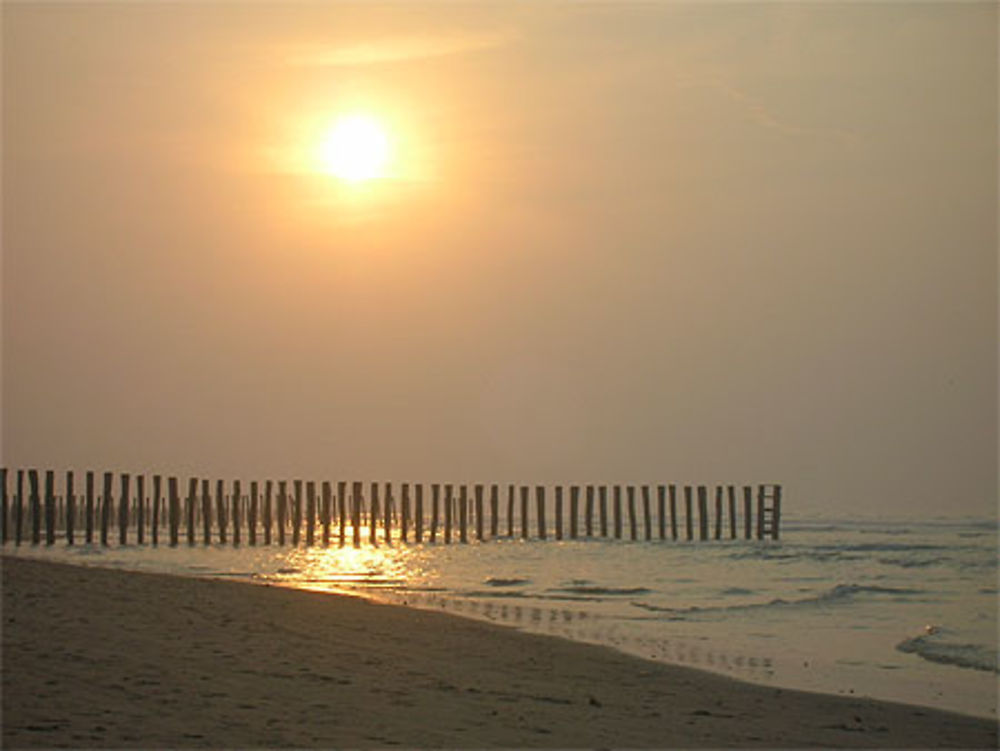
(100, 657)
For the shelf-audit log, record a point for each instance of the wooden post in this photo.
(252, 514)
(618, 511)
(590, 511)
(630, 492)
(325, 512)
(688, 513)
(418, 530)
(776, 513)
(157, 488)
(268, 520)
(731, 495)
(718, 512)
(760, 512)
(140, 516)
(404, 520)
(282, 510)
(310, 513)
(447, 514)
(646, 512)
(603, 508)
(672, 489)
(702, 512)
(19, 508)
(105, 506)
(123, 504)
(435, 511)
(191, 500)
(373, 516)
(36, 507)
(206, 512)
(540, 507)
(574, 510)
(524, 512)
(511, 492)
(559, 512)
(479, 512)
(661, 510)
(70, 507)
(3, 511)
(297, 513)
(747, 512)
(463, 513)
(342, 509)
(356, 513)
(173, 512)
(50, 507)
(387, 513)
(237, 512)
(494, 510)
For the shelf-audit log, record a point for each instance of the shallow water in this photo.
(899, 610)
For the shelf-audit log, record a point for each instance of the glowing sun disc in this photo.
(355, 149)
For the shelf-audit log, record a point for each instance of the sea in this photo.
(896, 609)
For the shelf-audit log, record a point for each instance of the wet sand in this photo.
(101, 658)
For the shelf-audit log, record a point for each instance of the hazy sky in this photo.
(660, 242)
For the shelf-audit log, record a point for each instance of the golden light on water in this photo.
(356, 148)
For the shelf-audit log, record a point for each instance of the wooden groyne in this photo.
(133, 511)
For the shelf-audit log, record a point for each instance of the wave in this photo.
(932, 648)
(588, 590)
(839, 593)
(495, 581)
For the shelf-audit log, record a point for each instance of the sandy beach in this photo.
(102, 658)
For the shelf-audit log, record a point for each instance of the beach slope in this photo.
(104, 658)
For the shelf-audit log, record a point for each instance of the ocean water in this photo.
(903, 610)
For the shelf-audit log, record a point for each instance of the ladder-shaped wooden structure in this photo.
(768, 511)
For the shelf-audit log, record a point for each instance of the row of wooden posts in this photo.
(281, 516)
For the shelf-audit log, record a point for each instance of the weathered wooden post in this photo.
(574, 511)
(603, 508)
(252, 514)
(36, 507)
(630, 492)
(50, 507)
(3, 510)
(373, 516)
(282, 510)
(590, 511)
(672, 489)
(494, 510)
(435, 511)
(342, 509)
(157, 489)
(731, 495)
(268, 520)
(540, 505)
(448, 506)
(479, 512)
(325, 511)
(191, 501)
(776, 513)
(70, 507)
(19, 508)
(140, 511)
(524, 512)
(310, 513)
(206, 512)
(702, 512)
(356, 513)
(688, 512)
(297, 512)
(404, 520)
(618, 511)
(418, 529)
(511, 492)
(123, 504)
(747, 512)
(237, 512)
(105, 506)
(174, 511)
(661, 510)
(718, 512)
(388, 512)
(559, 512)
(463, 513)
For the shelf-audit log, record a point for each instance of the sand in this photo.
(103, 658)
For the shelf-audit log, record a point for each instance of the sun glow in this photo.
(355, 149)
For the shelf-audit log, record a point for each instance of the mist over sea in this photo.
(899, 609)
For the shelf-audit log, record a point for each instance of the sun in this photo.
(356, 148)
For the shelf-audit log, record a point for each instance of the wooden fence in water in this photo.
(132, 510)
